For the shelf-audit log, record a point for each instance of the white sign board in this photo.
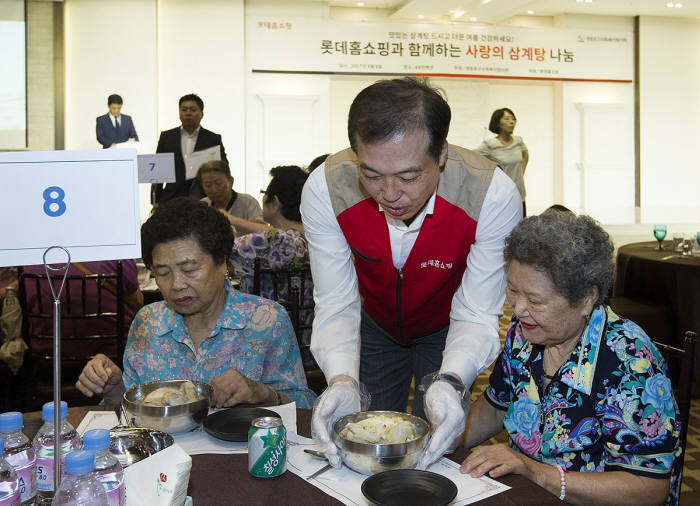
(461, 50)
(157, 168)
(85, 201)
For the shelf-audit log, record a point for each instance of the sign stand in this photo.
(56, 360)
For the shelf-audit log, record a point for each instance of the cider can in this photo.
(267, 447)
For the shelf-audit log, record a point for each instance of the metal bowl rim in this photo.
(137, 409)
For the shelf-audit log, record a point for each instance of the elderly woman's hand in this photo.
(496, 460)
(232, 388)
(101, 376)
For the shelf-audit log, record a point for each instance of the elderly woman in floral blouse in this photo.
(242, 345)
(582, 392)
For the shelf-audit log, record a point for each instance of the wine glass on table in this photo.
(660, 233)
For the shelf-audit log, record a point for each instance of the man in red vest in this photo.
(406, 236)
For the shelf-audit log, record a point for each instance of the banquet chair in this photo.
(681, 363)
(88, 324)
(292, 288)
(656, 319)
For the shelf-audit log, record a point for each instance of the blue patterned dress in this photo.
(253, 335)
(609, 407)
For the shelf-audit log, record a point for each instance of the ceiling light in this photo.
(472, 19)
(457, 13)
(360, 4)
(579, 1)
(530, 12)
(486, 2)
(589, 1)
(679, 5)
(670, 5)
(420, 16)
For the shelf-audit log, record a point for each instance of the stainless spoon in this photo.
(319, 455)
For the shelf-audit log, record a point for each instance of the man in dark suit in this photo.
(183, 141)
(114, 127)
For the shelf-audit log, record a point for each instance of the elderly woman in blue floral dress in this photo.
(242, 345)
(582, 392)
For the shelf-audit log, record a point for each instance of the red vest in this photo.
(415, 301)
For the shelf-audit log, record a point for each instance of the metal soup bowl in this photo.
(133, 444)
(170, 419)
(366, 458)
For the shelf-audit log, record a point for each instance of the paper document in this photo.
(198, 158)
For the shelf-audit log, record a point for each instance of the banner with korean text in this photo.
(300, 45)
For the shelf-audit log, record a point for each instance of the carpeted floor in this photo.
(690, 491)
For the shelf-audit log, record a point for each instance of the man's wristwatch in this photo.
(457, 384)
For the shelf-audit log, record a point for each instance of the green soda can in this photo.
(267, 447)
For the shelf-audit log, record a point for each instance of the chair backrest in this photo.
(681, 363)
(92, 315)
(293, 289)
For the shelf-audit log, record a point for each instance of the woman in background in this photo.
(506, 149)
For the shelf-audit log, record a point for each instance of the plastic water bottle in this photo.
(19, 453)
(108, 470)
(80, 487)
(9, 488)
(43, 448)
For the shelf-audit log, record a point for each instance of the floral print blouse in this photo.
(277, 249)
(610, 406)
(253, 335)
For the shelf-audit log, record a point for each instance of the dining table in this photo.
(224, 479)
(665, 277)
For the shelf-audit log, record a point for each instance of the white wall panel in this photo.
(201, 49)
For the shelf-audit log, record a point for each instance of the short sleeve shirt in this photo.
(610, 406)
(253, 335)
(509, 157)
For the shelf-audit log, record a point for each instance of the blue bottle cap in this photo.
(80, 462)
(47, 411)
(10, 421)
(96, 440)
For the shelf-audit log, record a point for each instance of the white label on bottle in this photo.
(116, 496)
(26, 476)
(13, 500)
(44, 465)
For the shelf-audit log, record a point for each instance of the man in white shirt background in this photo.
(406, 237)
(113, 128)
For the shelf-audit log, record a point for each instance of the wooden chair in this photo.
(289, 287)
(90, 323)
(681, 363)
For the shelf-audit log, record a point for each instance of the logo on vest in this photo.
(435, 263)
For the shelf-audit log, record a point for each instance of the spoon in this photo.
(318, 455)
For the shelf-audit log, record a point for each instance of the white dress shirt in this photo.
(115, 120)
(472, 342)
(187, 143)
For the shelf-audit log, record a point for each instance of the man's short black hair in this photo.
(114, 99)
(191, 97)
(399, 106)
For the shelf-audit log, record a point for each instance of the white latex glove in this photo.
(447, 417)
(339, 399)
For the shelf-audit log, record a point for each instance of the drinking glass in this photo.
(677, 242)
(660, 233)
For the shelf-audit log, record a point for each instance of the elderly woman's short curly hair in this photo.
(574, 251)
(186, 218)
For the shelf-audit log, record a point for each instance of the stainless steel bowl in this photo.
(370, 459)
(170, 419)
(133, 444)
